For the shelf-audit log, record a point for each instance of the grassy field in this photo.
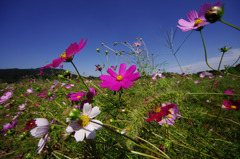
(202, 127)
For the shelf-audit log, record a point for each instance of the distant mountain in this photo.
(15, 74)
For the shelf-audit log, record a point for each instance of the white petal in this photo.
(95, 112)
(87, 108)
(42, 143)
(79, 135)
(90, 134)
(39, 131)
(96, 126)
(42, 122)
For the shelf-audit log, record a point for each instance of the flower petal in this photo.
(122, 69)
(57, 62)
(95, 111)
(96, 126)
(87, 108)
(130, 70)
(39, 131)
(79, 135)
(112, 73)
(42, 122)
(90, 134)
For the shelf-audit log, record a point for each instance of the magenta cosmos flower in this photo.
(195, 21)
(67, 55)
(77, 96)
(123, 79)
(232, 104)
(159, 112)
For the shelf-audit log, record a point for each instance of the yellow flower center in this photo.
(78, 96)
(83, 120)
(171, 111)
(63, 55)
(170, 116)
(157, 110)
(119, 78)
(198, 21)
(233, 107)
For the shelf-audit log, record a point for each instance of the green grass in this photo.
(205, 129)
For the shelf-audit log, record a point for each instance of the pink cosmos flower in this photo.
(197, 81)
(159, 112)
(9, 126)
(6, 96)
(195, 21)
(235, 105)
(228, 92)
(67, 55)
(170, 118)
(154, 76)
(123, 79)
(77, 96)
(137, 43)
(202, 75)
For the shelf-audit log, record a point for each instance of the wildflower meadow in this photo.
(134, 110)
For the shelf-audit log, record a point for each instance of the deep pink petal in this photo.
(116, 86)
(47, 66)
(126, 84)
(122, 69)
(72, 49)
(134, 77)
(130, 70)
(58, 61)
(112, 73)
(151, 118)
(82, 45)
(159, 117)
(203, 9)
(107, 78)
(106, 84)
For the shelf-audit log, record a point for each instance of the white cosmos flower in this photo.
(85, 125)
(41, 130)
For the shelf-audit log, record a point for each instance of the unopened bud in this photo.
(140, 39)
(116, 52)
(74, 114)
(102, 44)
(98, 50)
(214, 14)
(224, 49)
(106, 52)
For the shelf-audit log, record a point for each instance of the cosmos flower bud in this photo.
(116, 53)
(140, 39)
(67, 72)
(106, 52)
(214, 14)
(74, 114)
(98, 50)
(224, 49)
(102, 44)
(115, 43)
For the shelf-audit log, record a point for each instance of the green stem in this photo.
(80, 76)
(229, 24)
(220, 62)
(205, 51)
(178, 63)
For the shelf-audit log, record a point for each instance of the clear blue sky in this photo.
(34, 32)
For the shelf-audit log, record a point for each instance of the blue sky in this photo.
(34, 32)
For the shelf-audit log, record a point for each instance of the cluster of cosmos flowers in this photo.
(81, 119)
